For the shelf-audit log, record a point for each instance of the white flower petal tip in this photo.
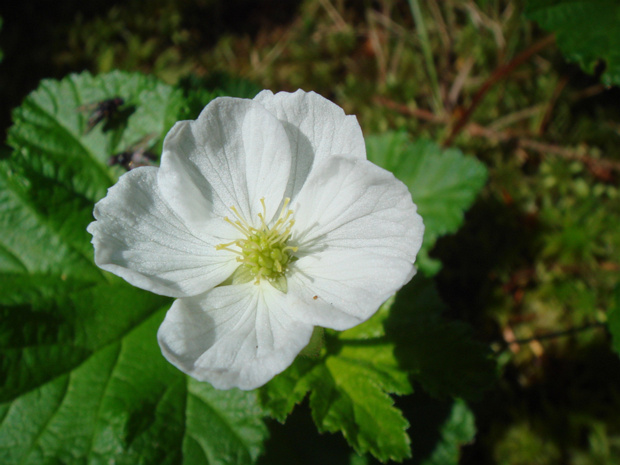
(265, 219)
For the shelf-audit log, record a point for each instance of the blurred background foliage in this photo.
(535, 266)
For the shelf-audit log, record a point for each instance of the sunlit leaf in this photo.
(52, 134)
(349, 390)
(350, 394)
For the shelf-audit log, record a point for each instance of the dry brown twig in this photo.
(499, 74)
(511, 341)
(335, 16)
(459, 82)
(559, 87)
(520, 115)
(596, 165)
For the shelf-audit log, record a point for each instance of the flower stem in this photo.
(317, 341)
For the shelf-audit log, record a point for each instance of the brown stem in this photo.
(551, 105)
(556, 334)
(596, 165)
(405, 110)
(601, 168)
(497, 75)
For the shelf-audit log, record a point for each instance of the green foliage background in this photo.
(521, 210)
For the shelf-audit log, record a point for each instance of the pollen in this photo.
(263, 252)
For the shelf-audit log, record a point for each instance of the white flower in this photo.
(265, 219)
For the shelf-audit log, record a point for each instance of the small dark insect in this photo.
(135, 156)
(99, 111)
(315, 297)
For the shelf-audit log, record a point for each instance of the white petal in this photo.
(341, 288)
(358, 234)
(317, 129)
(233, 336)
(354, 204)
(139, 238)
(234, 154)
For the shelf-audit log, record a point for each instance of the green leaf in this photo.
(613, 321)
(198, 92)
(439, 430)
(587, 31)
(57, 171)
(222, 426)
(83, 378)
(122, 402)
(43, 238)
(351, 395)
(350, 389)
(57, 332)
(288, 389)
(440, 354)
(51, 135)
(350, 385)
(443, 183)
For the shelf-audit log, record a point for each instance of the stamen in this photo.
(237, 225)
(263, 250)
(225, 247)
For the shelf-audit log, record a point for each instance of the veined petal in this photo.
(234, 154)
(233, 336)
(354, 204)
(342, 288)
(316, 128)
(358, 234)
(139, 238)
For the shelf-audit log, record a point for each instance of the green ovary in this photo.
(263, 252)
(263, 257)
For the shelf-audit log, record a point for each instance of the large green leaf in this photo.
(587, 31)
(44, 245)
(443, 183)
(58, 171)
(123, 402)
(82, 377)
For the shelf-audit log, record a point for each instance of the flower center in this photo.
(263, 251)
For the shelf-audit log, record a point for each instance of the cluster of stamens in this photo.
(263, 251)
